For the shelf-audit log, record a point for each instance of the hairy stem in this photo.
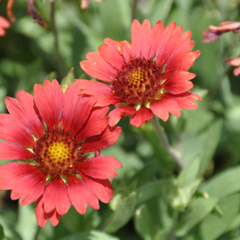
(165, 143)
(37, 233)
(57, 53)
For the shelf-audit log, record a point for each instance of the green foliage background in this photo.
(152, 199)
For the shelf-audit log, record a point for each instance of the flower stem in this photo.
(54, 29)
(165, 143)
(134, 7)
(37, 233)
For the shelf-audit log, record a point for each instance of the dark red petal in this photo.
(110, 54)
(70, 99)
(80, 195)
(54, 217)
(179, 82)
(97, 67)
(12, 130)
(12, 152)
(56, 197)
(23, 110)
(101, 188)
(118, 113)
(155, 38)
(99, 142)
(49, 101)
(39, 211)
(100, 167)
(143, 115)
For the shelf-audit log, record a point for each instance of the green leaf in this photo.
(124, 211)
(93, 235)
(27, 231)
(211, 140)
(190, 172)
(223, 184)
(154, 219)
(194, 213)
(149, 191)
(68, 80)
(214, 225)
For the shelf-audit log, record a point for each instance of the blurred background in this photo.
(151, 201)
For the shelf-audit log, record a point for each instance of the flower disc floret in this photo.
(148, 76)
(51, 136)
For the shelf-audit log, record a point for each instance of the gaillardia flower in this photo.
(148, 76)
(4, 23)
(51, 135)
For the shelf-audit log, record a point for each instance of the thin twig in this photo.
(37, 233)
(134, 7)
(57, 53)
(165, 143)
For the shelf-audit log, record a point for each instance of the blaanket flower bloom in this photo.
(52, 134)
(148, 76)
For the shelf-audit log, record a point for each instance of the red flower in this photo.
(54, 132)
(236, 63)
(4, 23)
(146, 77)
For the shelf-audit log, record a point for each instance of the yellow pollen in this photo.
(59, 151)
(137, 76)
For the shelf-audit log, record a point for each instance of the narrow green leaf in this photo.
(68, 80)
(212, 137)
(93, 235)
(190, 172)
(214, 225)
(149, 191)
(194, 213)
(223, 184)
(123, 213)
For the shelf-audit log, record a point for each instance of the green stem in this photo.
(37, 233)
(165, 143)
(54, 29)
(171, 235)
(134, 7)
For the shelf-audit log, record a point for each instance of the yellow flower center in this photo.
(59, 151)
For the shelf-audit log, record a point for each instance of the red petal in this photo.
(81, 113)
(39, 211)
(236, 71)
(140, 36)
(97, 67)
(126, 50)
(100, 167)
(179, 82)
(29, 188)
(12, 152)
(160, 110)
(80, 195)
(23, 110)
(155, 38)
(2, 31)
(143, 115)
(56, 197)
(54, 217)
(110, 54)
(188, 60)
(167, 43)
(49, 101)
(12, 130)
(4, 22)
(99, 142)
(70, 99)
(118, 113)
(101, 188)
